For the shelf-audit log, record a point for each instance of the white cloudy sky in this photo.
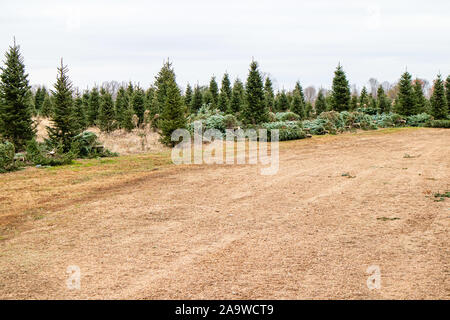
(292, 40)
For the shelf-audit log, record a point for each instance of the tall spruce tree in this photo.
(383, 103)
(254, 111)
(439, 107)
(16, 124)
(173, 115)
(298, 101)
(138, 104)
(226, 86)
(214, 90)
(164, 76)
(107, 116)
(419, 97)
(225, 94)
(93, 106)
(340, 96)
(188, 96)
(447, 93)
(269, 97)
(197, 99)
(321, 103)
(122, 104)
(406, 102)
(237, 97)
(64, 122)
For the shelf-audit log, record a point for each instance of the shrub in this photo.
(438, 124)
(39, 154)
(418, 120)
(287, 130)
(86, 145)
(386, 120)
(230, 121)
(286, 116)
(7, 162)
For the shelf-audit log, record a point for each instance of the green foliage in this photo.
(122, 104)
(438, 124)
(173, 115)
(287, 130)
(419, 97)
(138, 104)
(165, 76)
(127, 119)
(321, 104)
(406, 101)
(93, 106)
(237, 97)
(47, 107)
(86, 145)
(286, 116)
(39, 97)
(64, 122)
(44, 155)
(197, 100)
(269, 97)
(439, 107)
(79, 112)
(7, 162)
(364, 98)
(16, 110)
(340, 97)
(383, 103)
(188, 96)
(298, 101)
(418, 120)
(225, 94)
(254, 111)
(214, 90)
(387, 120)
(281, 101)
(107, 116)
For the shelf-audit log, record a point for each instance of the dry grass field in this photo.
(140, 227)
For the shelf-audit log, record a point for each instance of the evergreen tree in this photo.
(64, 122)
(282, 102)
(138, 104)
(419, 97)
(130, 91)
(364, 98)
(308, 110)
(164, 76)
(39, 97)
(16, 124)
(173, 115)
(122, 104)
(47, 107)
(237, 97)
(79, 111)
(254, 109)
(223, 103)
(406, 101)
(107, 116)
(340, 97)
(439, 107)
(226, 86)
(127, 119)
(208, 98)
(269, 97)
(93, 106)
(321, 104)
(354, 102)
(188, 96)
(197, 100)
(447, 92)
(298, 101)
(383, 103)
(149, 98)
(214, 90)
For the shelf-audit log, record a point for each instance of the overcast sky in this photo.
(291, 40)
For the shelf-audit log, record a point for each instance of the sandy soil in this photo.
(214, 232)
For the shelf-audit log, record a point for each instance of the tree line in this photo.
(166, 108)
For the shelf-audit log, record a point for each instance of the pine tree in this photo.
(269, 97)
(237, 97)
(321, 104)
(298, 101)
(79, 111)
(354, 102)
(364, 98)
(340, 97)
(197, 100)
(226, 86)
(208, 98)
(214, 90)
(419, 97)
(93, 106)
(383, 103)
(138, 104)
(282, 102)
(447, 92)
(164, 76)
(64, 123)
(254, 111)
(223, 103)
(16, 124)
(173, 115)
(39, 97)
(149, 98)
(308, 110)
(107, 116)
(122, 104)
(439, 107)
(127, 119)
(225, 94)
(47, 107)
(406, 101)
(188, 96)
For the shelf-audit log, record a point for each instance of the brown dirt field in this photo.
(140, 228)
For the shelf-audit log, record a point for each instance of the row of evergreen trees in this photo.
(166, 108)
